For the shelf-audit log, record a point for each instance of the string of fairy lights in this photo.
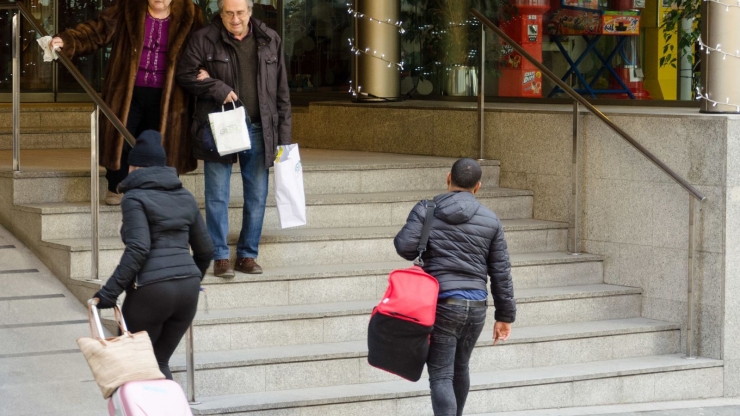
(372, 52)
(358, 15)
(700, 96)
(718, 50)
(727, 5)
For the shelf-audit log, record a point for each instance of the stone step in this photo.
(39, 338)
(72, 137)
(50, 384)
(320, 365)
(299, 285)
(259, 327)
(72, 219)
(306, 247)
(21, 311)
(48, 115)
(626, 380)
(63, 175)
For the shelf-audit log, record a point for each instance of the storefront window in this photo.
(603, 48)
(317, 51)
(36, 76)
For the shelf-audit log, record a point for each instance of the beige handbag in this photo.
(115, 361)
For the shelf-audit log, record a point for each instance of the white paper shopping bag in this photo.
(230, 132)
(291, 201)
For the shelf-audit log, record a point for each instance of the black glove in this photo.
(104, 302)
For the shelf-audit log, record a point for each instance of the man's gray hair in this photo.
(250, 5)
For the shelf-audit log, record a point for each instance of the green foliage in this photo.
(680, 10)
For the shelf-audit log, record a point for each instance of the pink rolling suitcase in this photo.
(149, 398)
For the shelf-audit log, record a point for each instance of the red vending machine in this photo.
(519, 77)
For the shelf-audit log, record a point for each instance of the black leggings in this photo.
(165, 311)
(144, 114)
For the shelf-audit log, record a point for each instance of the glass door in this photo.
(37, 76)
(92, 66)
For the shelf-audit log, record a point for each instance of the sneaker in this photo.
(247, 265)
(222, 268)
(113, 198)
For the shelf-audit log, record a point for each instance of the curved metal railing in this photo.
(99, 106)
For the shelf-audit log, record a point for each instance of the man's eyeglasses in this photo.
(240, 14)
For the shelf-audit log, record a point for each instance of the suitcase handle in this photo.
(93, 317)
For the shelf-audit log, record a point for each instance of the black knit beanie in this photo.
(148, 150)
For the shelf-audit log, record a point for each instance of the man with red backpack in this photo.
(466, 245)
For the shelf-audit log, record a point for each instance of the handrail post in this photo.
(94, 198)
(16, 52)
(481, 89)
(692, 270)
(575, 216)
(190, 365)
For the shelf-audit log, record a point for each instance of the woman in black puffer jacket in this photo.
(161, 222)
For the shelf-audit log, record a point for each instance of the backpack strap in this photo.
(430, 206)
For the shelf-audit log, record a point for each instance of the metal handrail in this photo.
(595, 111)
(99, 106)
(578, 100)
(104, 108)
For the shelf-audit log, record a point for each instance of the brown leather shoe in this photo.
(222, 268)
(247, 265)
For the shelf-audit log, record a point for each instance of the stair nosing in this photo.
(47, 130)
(382, 268)
(306, 168)
(364, 307)
(61, 208)
(633, 326)
(309, 235)
(402, 389)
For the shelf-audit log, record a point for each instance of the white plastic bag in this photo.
(230, 132)
(291, 201)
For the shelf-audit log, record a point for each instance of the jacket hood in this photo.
(456, 207)
(155, 177)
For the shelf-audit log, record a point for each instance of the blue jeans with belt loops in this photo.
(254, 185)
(456, 330)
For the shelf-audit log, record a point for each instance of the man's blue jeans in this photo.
(254, 183)
(456, 330)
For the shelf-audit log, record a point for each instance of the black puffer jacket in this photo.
(465, 245)
(161, 221)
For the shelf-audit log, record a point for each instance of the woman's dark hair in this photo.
(466, 173)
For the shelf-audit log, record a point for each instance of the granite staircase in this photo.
(292, 340)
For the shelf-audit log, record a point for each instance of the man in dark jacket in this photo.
(466, 244)
(237, 59)
(161, 223)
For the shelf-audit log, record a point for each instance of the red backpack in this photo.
(401, 324)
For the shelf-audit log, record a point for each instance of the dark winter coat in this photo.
(161, 222)
(466, 244)
(123, 25)
(210, 48)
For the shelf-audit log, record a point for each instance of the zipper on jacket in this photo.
(234, 63)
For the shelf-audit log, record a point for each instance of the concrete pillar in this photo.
(377, 75)
(721, 67)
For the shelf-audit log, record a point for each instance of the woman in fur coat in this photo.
(140, 87)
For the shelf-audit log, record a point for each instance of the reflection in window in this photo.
(317, 52)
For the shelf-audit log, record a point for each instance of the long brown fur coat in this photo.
(123, 24)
